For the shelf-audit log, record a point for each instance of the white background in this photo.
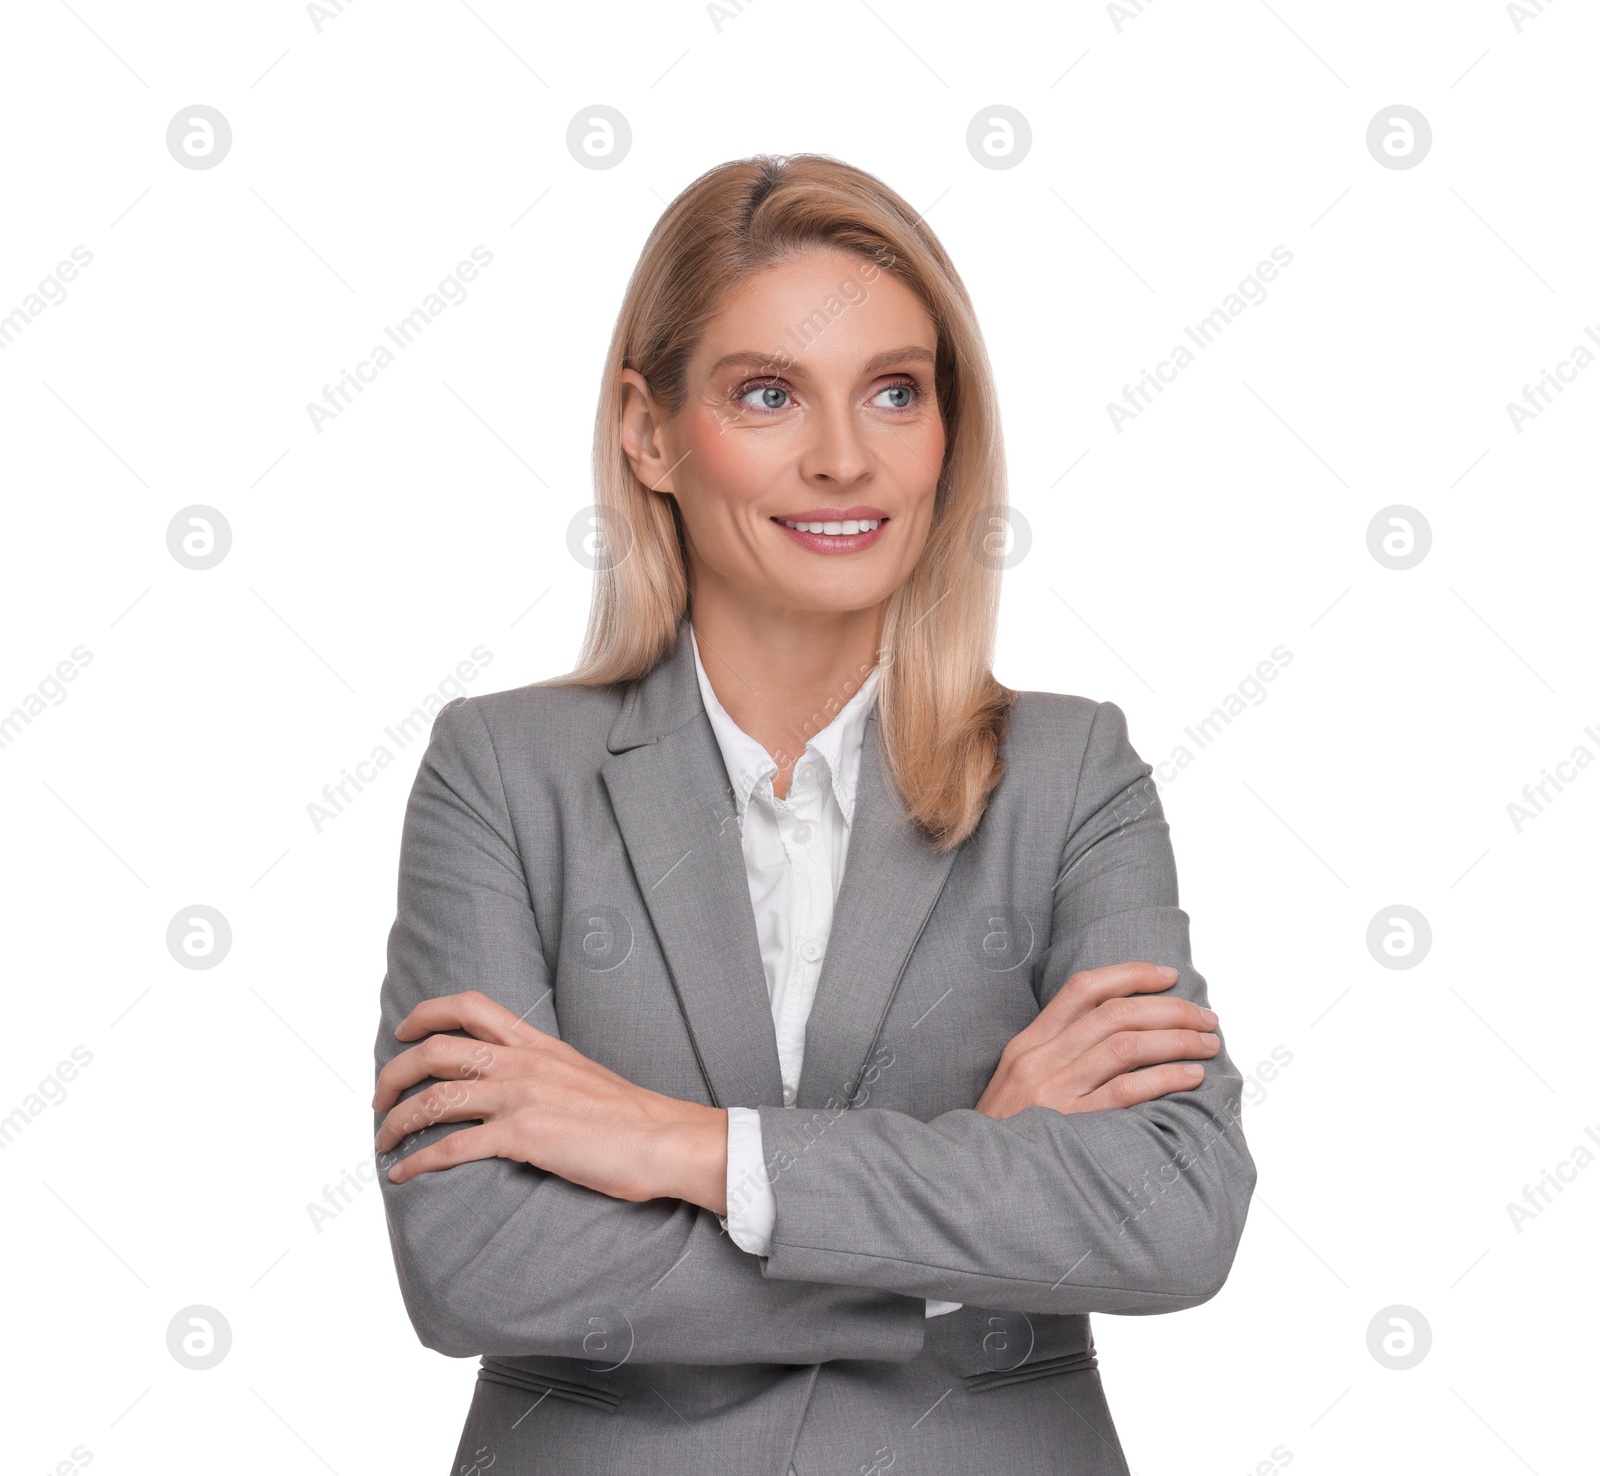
(1171, 151)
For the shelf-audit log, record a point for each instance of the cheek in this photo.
(722, 474)
(922, 457)
(728, 465)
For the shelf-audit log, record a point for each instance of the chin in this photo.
(838, 599)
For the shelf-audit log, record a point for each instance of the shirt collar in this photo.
(837, 747)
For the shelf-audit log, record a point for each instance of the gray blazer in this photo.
(574, 854)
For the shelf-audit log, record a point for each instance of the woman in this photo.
(722, 1154)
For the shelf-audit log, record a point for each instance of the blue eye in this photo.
(775, 397)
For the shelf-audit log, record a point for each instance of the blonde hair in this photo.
(942, 713)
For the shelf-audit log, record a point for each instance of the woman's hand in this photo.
(1082, 1051)
(540, 1101)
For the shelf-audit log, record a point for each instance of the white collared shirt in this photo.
(794, 855)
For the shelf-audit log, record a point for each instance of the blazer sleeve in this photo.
(1129, 1210)
(497, 1257)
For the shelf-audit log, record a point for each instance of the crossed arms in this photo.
(1079, 1183)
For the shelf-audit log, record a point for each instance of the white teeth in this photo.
(846, 528)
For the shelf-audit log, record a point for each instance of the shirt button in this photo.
(801, 833)
(810, 950)
(788, 1096)
(805, 773)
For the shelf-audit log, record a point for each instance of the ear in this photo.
(643, 430)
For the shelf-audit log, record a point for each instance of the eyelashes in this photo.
(751, 386)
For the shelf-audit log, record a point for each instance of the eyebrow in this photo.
(749, 359)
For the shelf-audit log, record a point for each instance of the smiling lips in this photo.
(835, 529)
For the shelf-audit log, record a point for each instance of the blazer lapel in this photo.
(892, 878)
(674, 806)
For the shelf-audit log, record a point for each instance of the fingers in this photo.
(473, 1012)
(1130, 1049)
(1138, 1012)
(453, 1148)
(1089, 988)
(1092, 1041)
(444, 1056)
(1134, 1087)
(449, 1101)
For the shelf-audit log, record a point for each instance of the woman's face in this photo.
(807, 452)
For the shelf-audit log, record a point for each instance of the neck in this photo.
(783, 675)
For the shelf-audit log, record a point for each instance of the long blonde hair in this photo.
(942, 713)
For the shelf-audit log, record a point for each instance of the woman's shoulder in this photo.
(555, 701)
(1049, 719)
(543, 722)
(1060, 735)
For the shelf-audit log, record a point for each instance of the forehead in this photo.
(827, 308)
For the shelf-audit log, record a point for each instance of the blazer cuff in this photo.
(752, 1206)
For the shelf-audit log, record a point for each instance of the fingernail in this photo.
(1208, 1017)
(1211, 1040)
(1167, 971)
(1194, 1072)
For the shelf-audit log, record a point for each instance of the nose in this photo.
(835, 450)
